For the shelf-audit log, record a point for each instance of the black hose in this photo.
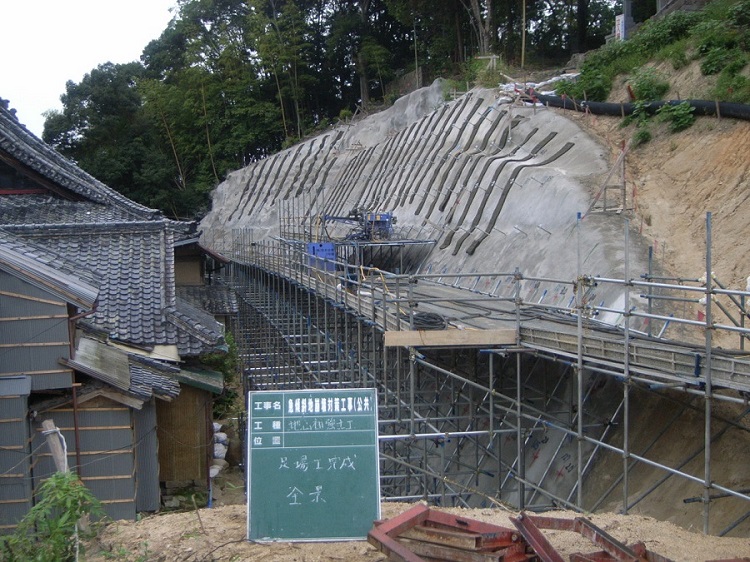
(702, 107)
(428, 321)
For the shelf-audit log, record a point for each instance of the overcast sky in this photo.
(45, 43)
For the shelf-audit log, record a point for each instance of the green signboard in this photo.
(312, 464)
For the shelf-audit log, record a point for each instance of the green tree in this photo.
(102, 128)
(280, 36)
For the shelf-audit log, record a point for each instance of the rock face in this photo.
(496, 185)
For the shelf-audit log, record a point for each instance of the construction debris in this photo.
(530, 528)
(422, 534)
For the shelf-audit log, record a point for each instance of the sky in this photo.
(45, 43)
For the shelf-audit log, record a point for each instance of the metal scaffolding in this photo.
(532, 423)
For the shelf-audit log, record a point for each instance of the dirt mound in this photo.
(218, 534)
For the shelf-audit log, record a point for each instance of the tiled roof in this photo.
(49, 209)
(198, 332)
(126, 247)
(69, 280)
(149, 378)
(134, 262)
(42, 159)
(216, 299)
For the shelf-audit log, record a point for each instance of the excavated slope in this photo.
(500, 186)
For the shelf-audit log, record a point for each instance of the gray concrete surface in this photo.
(498, 184)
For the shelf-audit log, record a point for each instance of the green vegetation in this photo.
(229, 402)
(48, 532)
(228, 83)
(679, 116)
(717, 37)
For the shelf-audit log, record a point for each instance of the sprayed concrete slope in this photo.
(498, 185)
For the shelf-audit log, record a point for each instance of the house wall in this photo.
(188, 270)
(183, 432)
(15, 467)
(148, 493)
(107, 457)
(34, 334)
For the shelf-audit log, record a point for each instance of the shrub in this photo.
(641, 136)
(676, 53)
(739, 14)
(719, 58)
(48, 531)
(639, 116)
(480, 72)
(714, 34)
(655, 34)
(679, 116)
(648, 85)
(732, 87)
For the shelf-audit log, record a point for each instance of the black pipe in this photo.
(702, 107)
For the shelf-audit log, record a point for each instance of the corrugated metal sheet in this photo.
(34, 333)
(14, 386)
(203, 379)
(106, 450)
(148, 492)
(33, 359)
(15, 462)
(183, 436)
(33, 330)
(47, 278)
(62, 379)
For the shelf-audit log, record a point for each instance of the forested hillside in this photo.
(231, 81)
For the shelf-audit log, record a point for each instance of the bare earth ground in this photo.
(674, 180)
(218, 534)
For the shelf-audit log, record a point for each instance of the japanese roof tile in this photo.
(216, 299)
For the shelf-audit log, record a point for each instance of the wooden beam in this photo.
(48, 317)
(30, 298)
(448, 338)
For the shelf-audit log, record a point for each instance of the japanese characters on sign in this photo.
(312, 464)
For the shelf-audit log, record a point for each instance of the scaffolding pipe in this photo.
(579, 367)
(626, 371)
(707, 417)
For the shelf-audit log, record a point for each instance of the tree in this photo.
(279, 35)
(482, 22)
(102, 128)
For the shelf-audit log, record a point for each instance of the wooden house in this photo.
(94, 337)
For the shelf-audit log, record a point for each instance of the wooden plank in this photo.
(48, 317)
(447, 338)
(30, 298)
(39, 344)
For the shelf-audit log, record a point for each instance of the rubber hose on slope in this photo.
(702, 107)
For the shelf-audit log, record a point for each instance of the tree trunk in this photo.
(582, 27)
(484, 26)
(363, 82)
(364, 90)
